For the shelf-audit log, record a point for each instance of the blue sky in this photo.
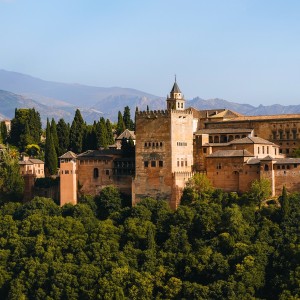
(247, 51)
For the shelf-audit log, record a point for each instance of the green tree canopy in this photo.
(11, 181)
(51, 162)
(76, 132)
(63, 133)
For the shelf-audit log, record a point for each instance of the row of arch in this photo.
(225, 138)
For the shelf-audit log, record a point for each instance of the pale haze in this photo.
(246, 51)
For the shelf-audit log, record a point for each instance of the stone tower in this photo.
(164, 150)
(68, 179)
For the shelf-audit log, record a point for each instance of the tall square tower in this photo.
(164, 150)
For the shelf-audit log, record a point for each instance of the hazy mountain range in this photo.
(59, 100)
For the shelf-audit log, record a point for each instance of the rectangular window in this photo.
(146, 163)
(161, 163)
(267, 149)
(263, 149)
(258, 150)
(204, 150)
(153, 163)
(107, 172)
(67, 172)
(177, 163)
(182, 163)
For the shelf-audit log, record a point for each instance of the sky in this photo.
(246, 51)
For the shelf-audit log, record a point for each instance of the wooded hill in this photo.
(220, 246)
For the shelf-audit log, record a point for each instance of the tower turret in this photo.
(176, 100)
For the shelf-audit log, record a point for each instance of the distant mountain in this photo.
(60, 100)
(220, 103)
(10, 101)
(245, 109)
(67, 95)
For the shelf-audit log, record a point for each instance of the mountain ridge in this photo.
(60, 100)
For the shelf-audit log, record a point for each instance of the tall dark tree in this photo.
(3, 133)
(127, 118)
(26, 127)
(89, 138)
(76, 132)
(101, 133)
(110, 136)
(50, 153)
(120, 125)
(63, 132)
(54, 135)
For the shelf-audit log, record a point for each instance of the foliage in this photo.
(260, 190)
(50, 153)
(62, 136)
(128, 123)
(3, 133)
(11, 182)
(32, 150)
(26, 128)
(76, 132)
(198, 187)
(120, 125)
(213, 248)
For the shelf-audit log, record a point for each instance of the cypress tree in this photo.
(63, 132)
(110, 136)
(120, 125)
(54, 135)
(104, 141)
(127, 118)
(50, 153)
(76, 132)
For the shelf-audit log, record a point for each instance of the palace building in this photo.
(172, 144)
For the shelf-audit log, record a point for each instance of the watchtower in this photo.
(68, 178)
(164, 150)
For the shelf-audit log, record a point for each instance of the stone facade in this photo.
(164, 150)
(172, 144)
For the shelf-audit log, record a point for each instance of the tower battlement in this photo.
(151, 112)
(157, 113)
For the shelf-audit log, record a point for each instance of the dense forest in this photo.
(217, 246)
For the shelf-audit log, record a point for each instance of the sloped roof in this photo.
(278, 161)
(287, 160)
(227, 114)
(31, 161)
(224, 130)
(251, 140)
(253, 161)
(104, 154)
(231, 153)
(175, 88)
(69, 154)
(267, 158)
(127, 134)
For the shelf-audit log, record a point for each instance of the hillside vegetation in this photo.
(220, 246)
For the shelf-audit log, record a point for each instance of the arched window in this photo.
(96, 173)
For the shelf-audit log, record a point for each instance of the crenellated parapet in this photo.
(157, 113)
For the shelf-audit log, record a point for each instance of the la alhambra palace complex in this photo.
(172, 145)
